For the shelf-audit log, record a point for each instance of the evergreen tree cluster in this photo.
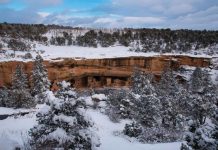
(32, 32)
(161, 110)
(87, 40)
(18, 45)
(62, 125)
(202, 135)
(143, 40)
(21, 94)
(66, 39)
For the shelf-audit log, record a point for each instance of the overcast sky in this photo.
(175, 14)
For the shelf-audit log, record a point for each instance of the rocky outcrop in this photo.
(93, 73)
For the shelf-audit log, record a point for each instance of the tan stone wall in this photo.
(113, 72)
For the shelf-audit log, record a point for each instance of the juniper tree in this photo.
(20, 94)
(63, 124)
(40, 81)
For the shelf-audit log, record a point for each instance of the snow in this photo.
(65, 84)
(68, 119)
(7, 144)
(52, 52)
(59, 134)
(76, 52)
(14, 131)
(57, 53)
(99, 97)
(9, 111)
(89, 101)
(44, 109)
(109, 140)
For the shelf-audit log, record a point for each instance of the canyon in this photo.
(107, 72)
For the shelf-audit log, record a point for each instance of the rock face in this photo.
(95, 73)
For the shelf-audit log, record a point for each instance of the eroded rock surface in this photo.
(110, 72)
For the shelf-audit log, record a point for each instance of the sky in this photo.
(174, 14)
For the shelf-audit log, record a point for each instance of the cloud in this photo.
(4, 1)
(43, 14)
(33, 3)
(193, 14)
(126, 21)
(166, 8)
(205, 19)
(110, 21)
(182, 9)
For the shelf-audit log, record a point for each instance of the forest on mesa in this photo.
(143, 40)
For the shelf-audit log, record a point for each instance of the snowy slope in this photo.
(109, 141)
(14, 131)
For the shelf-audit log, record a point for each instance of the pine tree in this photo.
(19, 79)
(63, 124)
(4, 96)
(204, 96)
(196, 81)
(170, 94)
(148, 105)
(214, 133)
(164, 89)
(65, 91)
(138, 79)
(133, 129)
(119, 105)
(40, 82)
(202, 137)
(20, 96)
(209, 91)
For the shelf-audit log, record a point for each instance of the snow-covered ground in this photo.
(54, 52)
(10, 111)
(109, 140)
(14, 131)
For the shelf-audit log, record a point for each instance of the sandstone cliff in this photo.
(111, 72)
